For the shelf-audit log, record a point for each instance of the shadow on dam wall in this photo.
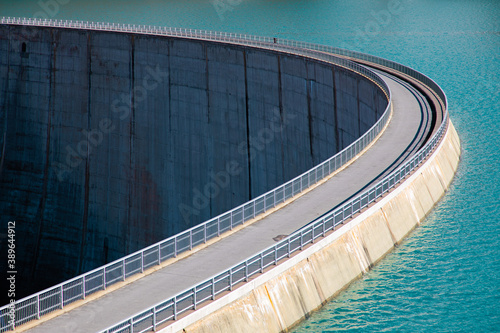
(113, 141)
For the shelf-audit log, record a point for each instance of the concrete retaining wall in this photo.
(283, 296)
(111, 141)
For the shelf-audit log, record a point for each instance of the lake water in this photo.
(445, 277)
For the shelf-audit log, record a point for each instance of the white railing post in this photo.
(83, 286)
(190, 239)
(38, 306)
(62, 295)
(13, 325)
(154, 319)
(194, 297)
(159, 254)
(246, 271)
(175, 307)
(124, 272)
(142, 261)
(175, 247)
(288, 247)
(213, 289)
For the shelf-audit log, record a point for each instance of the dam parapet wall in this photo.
(278, 299)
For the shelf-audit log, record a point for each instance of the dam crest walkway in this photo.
(114, 306)
(399, 145)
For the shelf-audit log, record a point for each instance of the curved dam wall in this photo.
(281, 297)
(113, 141)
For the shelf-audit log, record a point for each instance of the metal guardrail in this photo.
(373, 59)
(221, 36)
(209, 289)
(78, 288)
(170, 309)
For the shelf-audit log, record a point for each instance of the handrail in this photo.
(219, 36)
(56, 297)
(189, 299)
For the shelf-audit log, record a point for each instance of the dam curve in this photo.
(118, 140)
(429, 116)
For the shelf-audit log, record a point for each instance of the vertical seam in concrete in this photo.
(86, 184)
(207, 90)
(280, 88)
(430, 194)
(4, 108)
(439, 174)
(376, 109)
(367, 254)
(455, 141)
(110, 166)
(447, 160)
(359, 111)
(364, 260)
(453, 150)
(3, 143)
(413, 202)
(280, 101)
(169, 90)
(280, 320)
(317, 285)
(386, 220)
(210, 155)
(131, 143)
(309, 115)
(41, 206)
(337, 148)
(248, 127)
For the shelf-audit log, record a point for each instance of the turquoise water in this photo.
(445, 276)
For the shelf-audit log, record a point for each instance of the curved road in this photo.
(403, 136)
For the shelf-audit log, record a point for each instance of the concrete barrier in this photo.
(283, 296)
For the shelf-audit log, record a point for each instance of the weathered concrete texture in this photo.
(113, 141)
(278, 299)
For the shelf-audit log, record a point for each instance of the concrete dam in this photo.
(112, 141)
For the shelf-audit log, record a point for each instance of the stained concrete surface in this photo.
(106, 136)
(167, 282)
